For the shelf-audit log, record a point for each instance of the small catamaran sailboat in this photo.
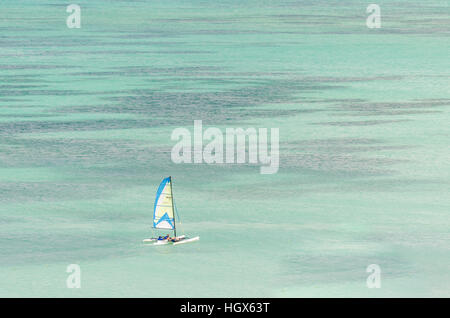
(164, 216)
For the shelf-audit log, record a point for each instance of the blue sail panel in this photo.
(163, 214)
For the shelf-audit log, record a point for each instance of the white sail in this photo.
(163, 214)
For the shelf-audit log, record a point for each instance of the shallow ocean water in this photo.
(86, 117)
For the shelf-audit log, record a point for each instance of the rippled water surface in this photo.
(86, 117)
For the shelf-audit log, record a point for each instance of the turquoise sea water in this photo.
(86, 117)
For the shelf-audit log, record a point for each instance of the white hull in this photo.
(189, 240)
(166, 242)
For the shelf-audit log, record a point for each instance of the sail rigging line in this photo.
(173, 209)
(180, 227)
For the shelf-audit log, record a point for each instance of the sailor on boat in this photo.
(167, 237)
(173, 239)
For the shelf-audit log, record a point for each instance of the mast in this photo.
(173, 208)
